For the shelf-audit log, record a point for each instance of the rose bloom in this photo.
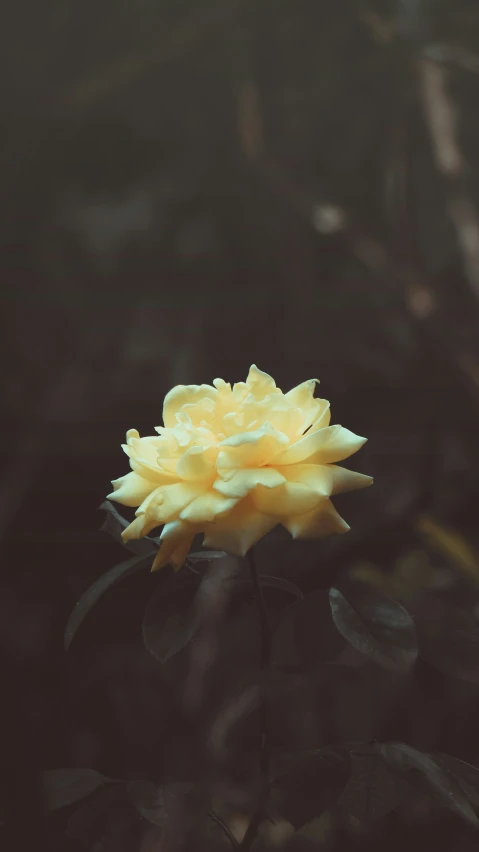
(233, 462)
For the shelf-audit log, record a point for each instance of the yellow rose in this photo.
(233, 462)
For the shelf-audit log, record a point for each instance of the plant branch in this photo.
(265, 714)
(224, 828)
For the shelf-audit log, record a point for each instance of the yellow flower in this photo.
(233, 462)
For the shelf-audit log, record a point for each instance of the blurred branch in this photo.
(441, 120)
(170, 47)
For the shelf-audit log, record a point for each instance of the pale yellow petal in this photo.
(143, 455)
(197, 463)
(131, 489)
(348, 480)
(317, 477)
(176, 540)
(207, 507)
(239, 530)
(259, 383)
(325, 446)
(324, 520)
(239, 483)
(322, 417)
(166, 503)
(302, 395)
(184, 395)
(292, 498)
(251, 449)
(142, 525)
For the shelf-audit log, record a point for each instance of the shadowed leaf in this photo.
(98, 588)
(183, 604)
(373, 790)
(464, 773)
(377, 627)
(423, 772)
(149, 801)
(63, 787)
(282, 585)
(205, 556)
(311, 785)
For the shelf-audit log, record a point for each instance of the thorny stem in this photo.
(265, 716)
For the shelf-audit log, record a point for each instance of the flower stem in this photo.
(265, 715)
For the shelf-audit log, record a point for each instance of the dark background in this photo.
(188, 188)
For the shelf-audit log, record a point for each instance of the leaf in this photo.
(269, 582)
(183, 604)
(98, 588)
(372, 790)
(310, 786)
(114, 524)
(63, 787)
(377, 627)
(166, 640)
(448, 639)
(169, 618)
(149, 801)
(205, 555)
(465, 774)
(423, 772)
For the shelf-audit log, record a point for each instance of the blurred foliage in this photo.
(189, 187)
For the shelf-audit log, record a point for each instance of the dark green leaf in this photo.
(149, 801)
(423, 772)
(167, 639)
(114, 524)
(282, 585)
(448, 639)
(63, 787)
(205, 555)
(464, 773)
(169, 622)
(98, 588)
(377, 627)
(372, 790)
(310, 786)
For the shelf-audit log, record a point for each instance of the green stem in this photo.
(265, 715)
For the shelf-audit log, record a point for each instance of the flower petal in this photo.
(166, 503)
(302, 395)
(324, 446)
(322, 521)
(240, 530)
(241, 482)
(131, 489)
(292, 498)
(143, 455)
(317, 477)
(184, 395)
(251, 449)
(142, 525)
(207, 507)
(197, 463)
(176, 538)
(260, 384)
(348, 480)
